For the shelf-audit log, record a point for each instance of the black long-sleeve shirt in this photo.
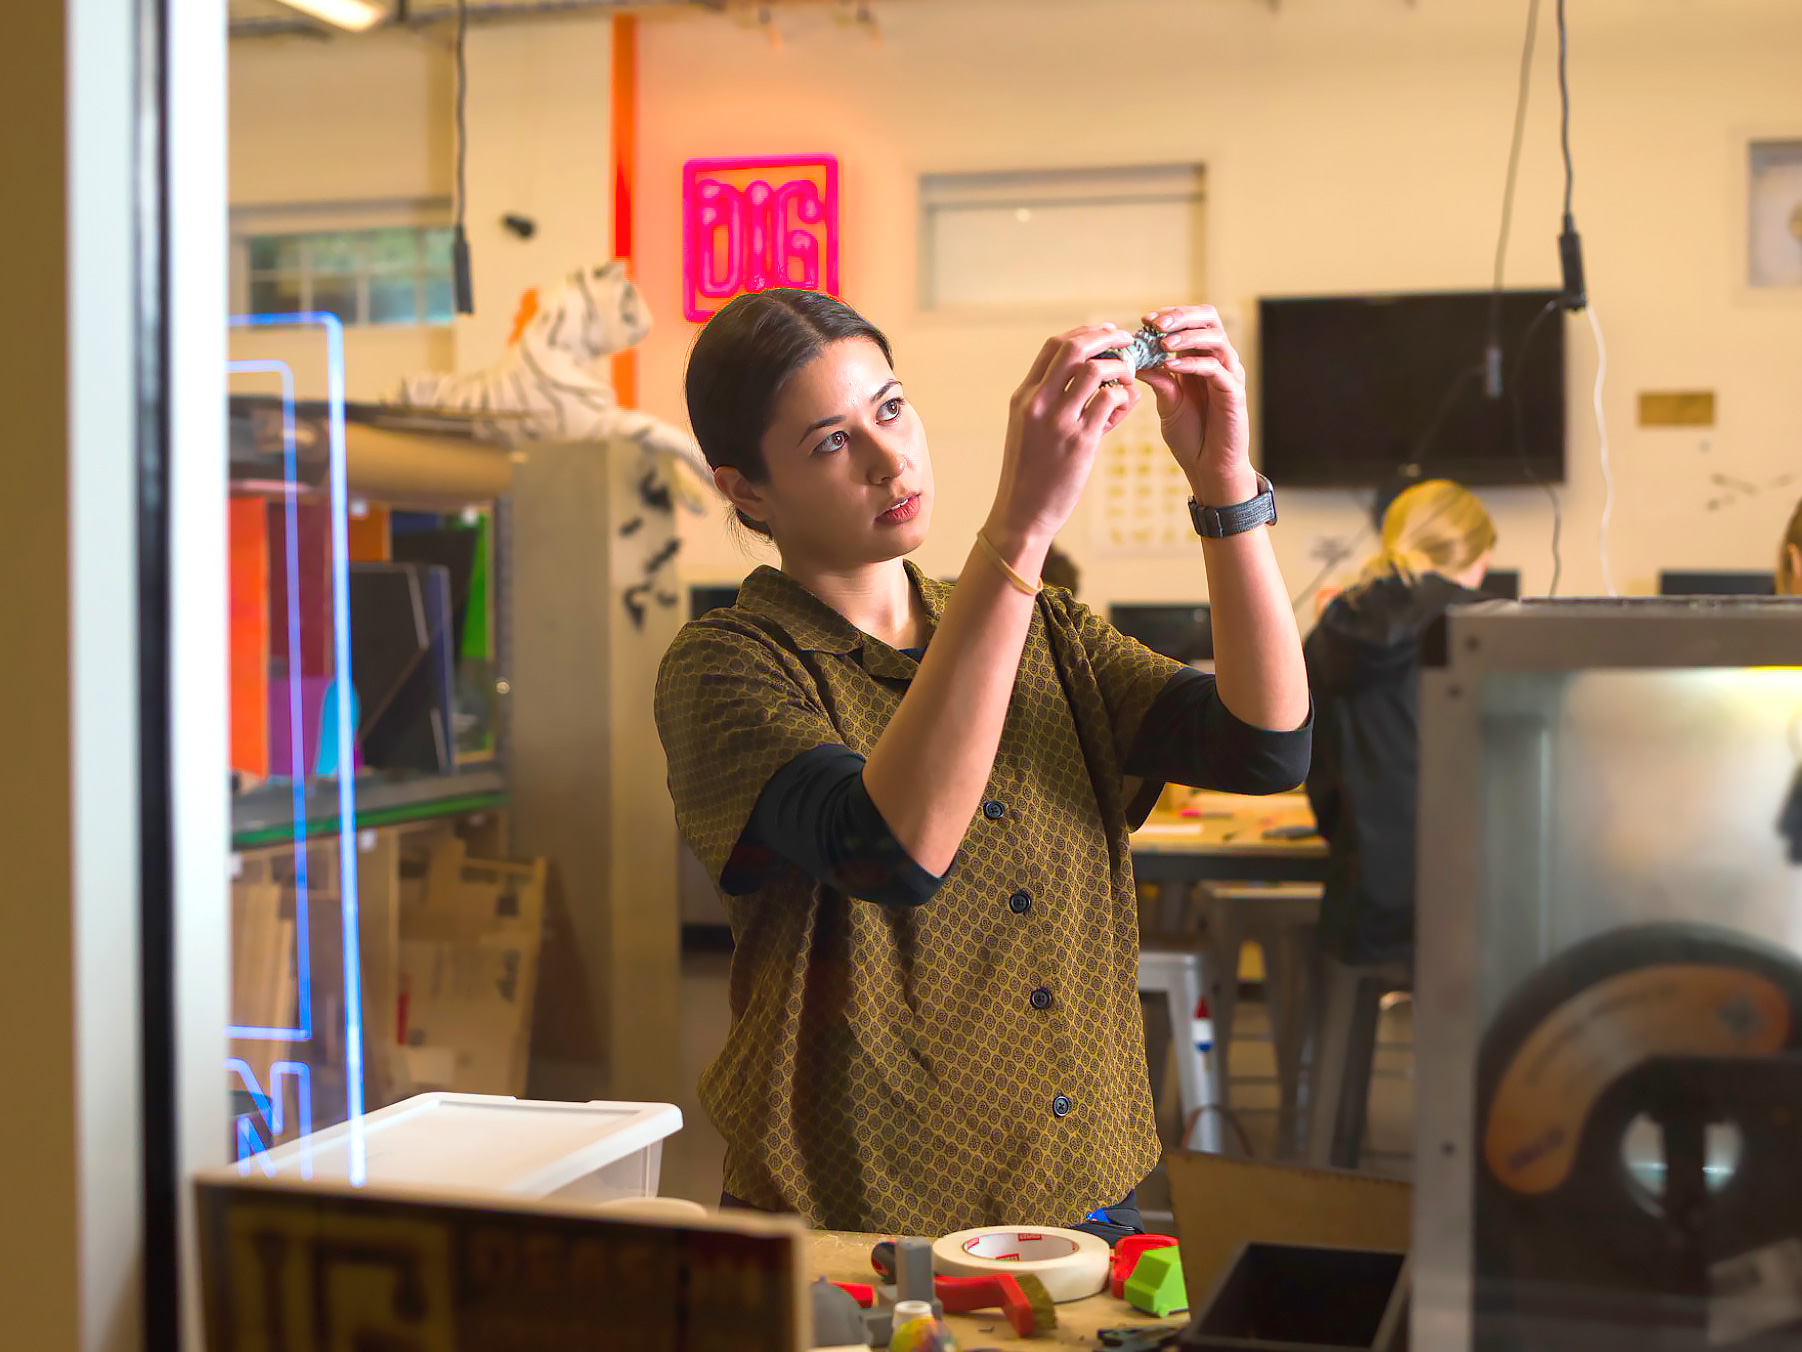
(816, 813)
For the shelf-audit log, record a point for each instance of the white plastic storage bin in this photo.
(441, 1142)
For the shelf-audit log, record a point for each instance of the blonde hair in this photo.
(1433, 527)
(1792, 539)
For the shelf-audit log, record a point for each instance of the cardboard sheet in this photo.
(1222, 1202)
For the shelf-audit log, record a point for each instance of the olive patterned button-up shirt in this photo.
(976, 1060)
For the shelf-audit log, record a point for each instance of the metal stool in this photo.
(1180, 977)
(1344, 1053)
(1284, 919)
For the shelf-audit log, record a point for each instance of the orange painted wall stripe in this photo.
(625, 176)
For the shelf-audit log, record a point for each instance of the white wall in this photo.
(353, 120)
(1350, 145)
(538, 115)
(343, 121)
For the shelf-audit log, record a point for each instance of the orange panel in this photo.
(367, 536)
(249, 536)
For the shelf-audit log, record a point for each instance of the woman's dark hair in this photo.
(743, 358)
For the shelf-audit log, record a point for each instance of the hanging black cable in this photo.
(1550, 308)
(1572, 295)
(459, 240)
(1333, 556)
(1570, 245)
(1492, 357)
(1570, 177)
(1373, 518)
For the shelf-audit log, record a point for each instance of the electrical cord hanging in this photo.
(1489, 367)
(1573, 296)
(1335, 555)
(1595, 326)
(1550, 308)
(1570, 177)
(459, 239)
(1492, 377)
(1570, 244)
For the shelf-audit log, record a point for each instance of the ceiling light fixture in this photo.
(356, 15)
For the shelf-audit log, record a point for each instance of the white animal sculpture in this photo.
(552, 376)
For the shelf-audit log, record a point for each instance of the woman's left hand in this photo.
(1200, 392)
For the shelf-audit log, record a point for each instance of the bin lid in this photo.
(476, 1143)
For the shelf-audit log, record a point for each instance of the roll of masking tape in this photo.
(1072, 1265)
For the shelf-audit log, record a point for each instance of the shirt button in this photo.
(1041, 998)
(1020, 903)
(1060, 1106)
(993, 810)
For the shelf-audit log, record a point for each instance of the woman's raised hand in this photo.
(1200, 391)
(1056, 419)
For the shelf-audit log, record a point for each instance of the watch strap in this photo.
(1217, 523)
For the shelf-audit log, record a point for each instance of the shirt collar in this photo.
(815, 626)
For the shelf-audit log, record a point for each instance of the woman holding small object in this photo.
(916, 799)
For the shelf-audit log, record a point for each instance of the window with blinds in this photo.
(1033, 239)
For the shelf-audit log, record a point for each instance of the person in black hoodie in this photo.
(1363, 663)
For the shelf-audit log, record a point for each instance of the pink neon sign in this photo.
(751, 224)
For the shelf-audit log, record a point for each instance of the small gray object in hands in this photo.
(1147, 350)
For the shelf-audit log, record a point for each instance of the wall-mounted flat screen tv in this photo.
(1368, 391)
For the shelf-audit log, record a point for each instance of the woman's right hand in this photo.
(1056, 420)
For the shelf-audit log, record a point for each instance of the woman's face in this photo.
(848, 478)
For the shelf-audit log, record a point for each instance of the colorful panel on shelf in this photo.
(478, 700)
(478, 625)
(296, 707)
(296, 936)
(453, 547)
(400, 634)
(366, 534)
(441, 663)
(326, 767)
(249, 591)
(310, 587)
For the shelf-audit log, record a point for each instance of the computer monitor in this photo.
(713, 597)
(1181, 630)
(1716, 584)
(1503, 583)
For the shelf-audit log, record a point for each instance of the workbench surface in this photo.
(843, 1257)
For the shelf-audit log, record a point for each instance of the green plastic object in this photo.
(475, 641)
(1156, 1286)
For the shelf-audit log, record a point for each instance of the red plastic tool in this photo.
(865, 1296)
(1126, 1258)
(961, 1295)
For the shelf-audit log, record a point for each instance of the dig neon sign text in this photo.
(753, 224)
